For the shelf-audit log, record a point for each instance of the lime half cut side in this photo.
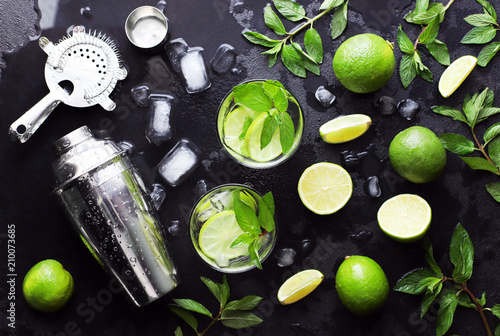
(325, 188)
(252, 141)
(299, 285)
(345, 128)
(405, 217)
(234, 126)
(217, 235)
(455, 74)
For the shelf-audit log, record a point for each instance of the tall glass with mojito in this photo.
(260, 123)
(232, 228)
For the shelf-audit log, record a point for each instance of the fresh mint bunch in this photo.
(271, 97)
(485, 29)
(431, 283)
(255, 224)
(430, 16)
(476, 109)
(293, 56)
(233, 314)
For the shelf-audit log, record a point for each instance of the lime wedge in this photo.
(217, 235)
(345, 128)
(405, 217)
(252, 141)
(299, 285)
(325, 188)
(234, 125)
(455, 74)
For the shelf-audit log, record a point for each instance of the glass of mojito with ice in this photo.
(233, 228)
(260, 123)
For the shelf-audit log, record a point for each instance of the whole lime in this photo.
(364, 63)
(47, 286)
(417, 154)
(361, 285)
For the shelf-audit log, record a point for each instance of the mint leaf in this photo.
(309, 63)
(249, 302)
(258, 38)
(497, 330)
(412, 282)
(280, 100)
(244, 128)
(287, 132)
(487, 53)
(482, 300)
(478, 163)
(274, 50)
(450, 112)
(313, 44)
(243, 240)
(330, 4)
(270, 126)
(407, 70)
(439, 51)
(254, 254)
(474, 106)
(448, 305)
(461, 254)
(339, 20)
(494, 151)
(178, 332)
(185, 315)
(464, 300)
(487, 112)
(479, 35)
(246, 217)
(273, 58)
(292, 61)
(421, 6)
(193, 305)
(493, 189)
(404, 42)
(428, 298)
(272, 87)
(429, 257)
(266, 212)
(457, 143)
(237, 319)
(424, 18)
(290, 9)
(216, 289)
(488, 7)
(491, 133)
(422, 70)
(496, 310)
(272, 21)
(480, 20)
(430, 32)
(252, 96)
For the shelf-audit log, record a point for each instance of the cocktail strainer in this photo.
(81, 70)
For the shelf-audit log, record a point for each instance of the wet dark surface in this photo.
(43, 231)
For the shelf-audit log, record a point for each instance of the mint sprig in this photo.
(271, 97)
(484, 31)
(295, 59)
(233, 314)
(255, 223)
(430, 282)
(476, 109)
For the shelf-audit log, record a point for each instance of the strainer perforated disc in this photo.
(81, 70)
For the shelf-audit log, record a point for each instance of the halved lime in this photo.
(405, 217)
(325, 188)
(252, 141)
(455, 74)
(234, 125)
(345, 128)
(217, 235)
(299, 285)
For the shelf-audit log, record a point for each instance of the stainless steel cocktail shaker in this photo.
(106, 199)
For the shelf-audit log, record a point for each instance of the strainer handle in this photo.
(23, 128)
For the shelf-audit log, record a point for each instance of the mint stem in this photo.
(479, 308)
(211, 323)
(304, 24)
(481, 149)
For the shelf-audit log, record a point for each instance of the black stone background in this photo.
(43, 231)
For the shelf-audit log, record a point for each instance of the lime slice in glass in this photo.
(252, 141)
(217, 235)
(299, 285)
(455, 74)
(405, 217)
(325, 188)
(234, 126)
(344, 128)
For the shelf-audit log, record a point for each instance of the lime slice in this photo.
(217, 235)
(405, 217)
(455, 74)
(252, 141)
(325, 188)
(299, 285)
(345, 128)
(234, 125)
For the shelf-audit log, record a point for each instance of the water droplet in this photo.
(86, 11)
(133, 259)
(306, 245)
(128, 272)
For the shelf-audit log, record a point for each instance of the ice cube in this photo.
(372, 187)
(324, 97)
(175, 49)
(174, 228)
(194, 70)
(200, 188)
(222, 201)
(386, 105)
(140, 95)
(408, 108)
(351, 159)
(286, 257)
(223, 59)
(158, 130)
(179, 162)
(158, 195)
